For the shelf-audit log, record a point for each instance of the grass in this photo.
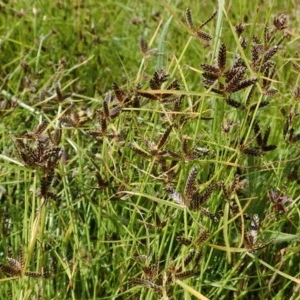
(147, 153)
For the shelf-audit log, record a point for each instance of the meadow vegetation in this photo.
(149, 150)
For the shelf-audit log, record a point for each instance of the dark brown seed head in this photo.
(270, 53)
(269, 35)
(233, 71)
(252, 151)
(33, 274)
(187, 274)
(258, 134)
(209, 19)
(190, 183)
(203, 35)
(281, 21)
(254, 227)
(114, 112)
(296, 93)
(189, 19)
(245, 83)
(198, 258)
(40, 129)
(210, 68)
(261, 104)
(233, 103)
(222, 57)
(239, 28)
(233, 84)
(139, 151)
(189, 257)
(198, 199)
(120, 94)
(203, 236)
(158, 78)
(59, 95)
(164, 138)
(184, 241)
(143, 45)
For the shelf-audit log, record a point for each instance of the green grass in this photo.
(88, 194)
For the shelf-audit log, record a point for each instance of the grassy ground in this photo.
(147, 154)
